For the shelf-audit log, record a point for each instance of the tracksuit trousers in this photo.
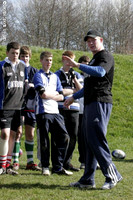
(96, 118)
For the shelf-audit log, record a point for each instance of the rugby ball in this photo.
(119, 154)
(20, 152)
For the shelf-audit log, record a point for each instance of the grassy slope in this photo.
(33, 186)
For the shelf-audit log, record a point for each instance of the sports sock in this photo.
(29, 145)
(16, 149)
(8, 161)
(3, 152)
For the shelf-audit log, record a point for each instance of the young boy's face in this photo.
(13, 55)
(46, 63)
(25, 58)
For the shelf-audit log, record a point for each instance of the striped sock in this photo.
(3, 152)
(3, 161)
(16, 149)
(8, 161)
(29, 145)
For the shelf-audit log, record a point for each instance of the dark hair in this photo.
(45, 54)
(84, 59)
(12, 45)
(25, 50)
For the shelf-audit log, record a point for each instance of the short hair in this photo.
(69, 54)
(12, 45)
(25, 50)
(84, 59)
(45, 54)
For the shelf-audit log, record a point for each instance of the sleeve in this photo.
(1, 82)
(79, 94)
(59, 86)
(79, 77)
(97, 71)
(58, 73)
(38, 81)
(26, 74)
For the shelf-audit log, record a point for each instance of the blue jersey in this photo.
(29, 104)
(51, 83)
(12, 85)
(68, 83)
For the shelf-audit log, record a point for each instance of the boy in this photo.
(13, 77)
(49, 91)
(70, 80)
(28, 113)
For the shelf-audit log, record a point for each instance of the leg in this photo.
(43, 127)
(71, 122)
(11, 147)
(60, 139)
(96, 129)
(30, 122)
(17, 148)
(81, 145)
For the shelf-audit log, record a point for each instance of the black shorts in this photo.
(10, 119)
(29, 118)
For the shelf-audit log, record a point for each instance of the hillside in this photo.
(121, 123)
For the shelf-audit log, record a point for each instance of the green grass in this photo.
(30, 185)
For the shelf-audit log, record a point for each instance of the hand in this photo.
(68, 102)
(71, 62)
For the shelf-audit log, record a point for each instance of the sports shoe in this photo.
(62, 172)
(80, 185)
(71, 167)
(82, 166)
(110, 185)
(11, 171)
(2, 171)
(15, 166)
(45, 171)
(33, 167)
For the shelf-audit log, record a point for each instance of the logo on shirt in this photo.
(9, 73)
(22, 74)
(15, 84)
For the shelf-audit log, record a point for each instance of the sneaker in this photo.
(33, 167)
(82, 166)
(71, 167)
(110, 185)
(80, 185)
(16, 166)
(62, 172)
(2, 171)
(11, 171)
(45, 171)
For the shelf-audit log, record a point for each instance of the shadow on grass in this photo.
(123, 160)
(26, 186)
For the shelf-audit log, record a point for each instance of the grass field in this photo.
(29, 185)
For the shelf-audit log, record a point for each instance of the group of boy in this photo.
(57, 111)
(29, 96)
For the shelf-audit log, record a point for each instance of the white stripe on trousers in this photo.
(112, 174)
